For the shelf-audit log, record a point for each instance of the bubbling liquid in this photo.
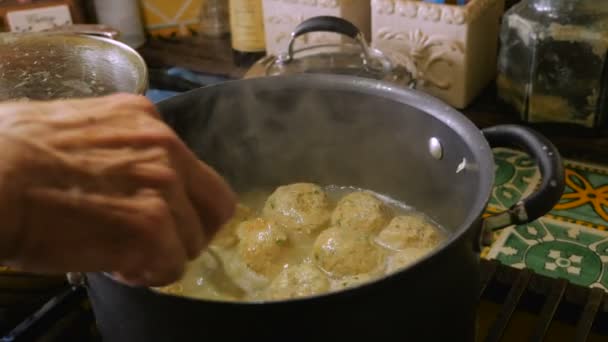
(302, 240)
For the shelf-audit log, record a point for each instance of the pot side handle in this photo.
(551, 167)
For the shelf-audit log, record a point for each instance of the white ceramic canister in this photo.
(124, 16)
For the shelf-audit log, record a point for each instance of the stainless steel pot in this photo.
(331, 129)
(82, 61)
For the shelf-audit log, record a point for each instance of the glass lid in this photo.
(355, 58)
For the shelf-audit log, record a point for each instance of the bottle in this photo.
(124, 16)
(247, 29)
(214, 18)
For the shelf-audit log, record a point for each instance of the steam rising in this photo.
(268, 132)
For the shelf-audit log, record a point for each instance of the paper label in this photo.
(247, 25)
(39, 19)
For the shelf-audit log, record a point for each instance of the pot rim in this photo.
(457, 121)
(143, 80)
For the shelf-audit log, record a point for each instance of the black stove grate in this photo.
(515, 305)
(65, 317)
(553, 309)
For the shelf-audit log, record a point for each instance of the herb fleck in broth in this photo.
(301, 240)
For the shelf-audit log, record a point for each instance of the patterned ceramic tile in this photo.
(167, 16)
(586, 197)
(557, 249)
(570, 242)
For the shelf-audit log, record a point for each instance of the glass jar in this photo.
(551, 66)
(214, 18)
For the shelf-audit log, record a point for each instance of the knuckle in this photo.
(158, 267)
(168, 269)
(167, 135)
(175, 273)
(163, 133)
(164, 257)
(156, 211)
(125, 98)
(196, 248)
(153, 223)
(161, 278)
(145, 105)
(138, 101)
(132, 260)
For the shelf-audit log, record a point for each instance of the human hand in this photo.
(103, 185)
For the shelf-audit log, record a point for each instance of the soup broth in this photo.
(302, 240)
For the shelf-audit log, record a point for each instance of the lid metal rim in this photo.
(143, 80)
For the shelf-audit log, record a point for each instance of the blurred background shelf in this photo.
(213, 58)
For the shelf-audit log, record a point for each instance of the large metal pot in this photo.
(82, 61)
(334, 129)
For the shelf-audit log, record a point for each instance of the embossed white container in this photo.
(282, 16)
(453, 49)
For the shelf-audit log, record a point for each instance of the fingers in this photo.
(135, 236)
(141, 206)
(152, 174)
(211, 195)
(73, 110)
(78, 122)
(108, 105)
(105, 171)
(115, 111)
(188, 223)
(112, 137)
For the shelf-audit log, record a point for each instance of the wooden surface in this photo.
(215, 57)
(573, 142)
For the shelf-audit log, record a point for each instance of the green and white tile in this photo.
(557, 249)
(571, 241)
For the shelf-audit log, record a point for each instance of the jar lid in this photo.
(356, 58)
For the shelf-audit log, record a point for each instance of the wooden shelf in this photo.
(211, 56)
